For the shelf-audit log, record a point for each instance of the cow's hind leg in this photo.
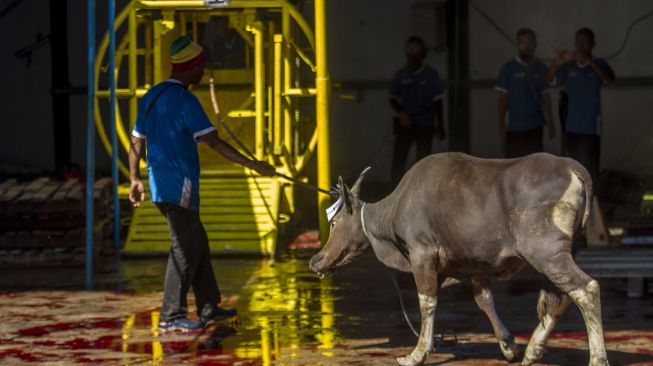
(550, 307)
(485, 301)
(561, 269)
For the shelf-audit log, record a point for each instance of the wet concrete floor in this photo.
(290, 317)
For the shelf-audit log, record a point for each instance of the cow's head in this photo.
(346, 236)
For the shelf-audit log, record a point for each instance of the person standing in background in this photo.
(524, 99)
(582, 76)
(416, 94)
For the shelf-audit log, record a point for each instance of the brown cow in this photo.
(457, 216)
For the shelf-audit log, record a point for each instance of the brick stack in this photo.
(42, 222)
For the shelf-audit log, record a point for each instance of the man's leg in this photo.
(403, 140)
(513, 144)
(205, 286)
(534, 141)
(424, 138)
(182, 262)
(586, 149)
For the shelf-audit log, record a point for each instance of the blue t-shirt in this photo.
(583, 86)
(171, 128)
(525, 85)
(416, 92)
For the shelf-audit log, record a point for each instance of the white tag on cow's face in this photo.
(333, 209)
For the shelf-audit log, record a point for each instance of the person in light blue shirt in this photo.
(416, 95)
(582, 75)
(171, 122)
(524, 99)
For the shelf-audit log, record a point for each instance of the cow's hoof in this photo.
(410, 360)
(509, 349)
(532, 355)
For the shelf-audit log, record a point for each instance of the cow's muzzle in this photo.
(316, 266)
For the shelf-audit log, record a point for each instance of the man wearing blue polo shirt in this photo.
(172, 122)
(524, 100)
(582, 76)
(416, 94)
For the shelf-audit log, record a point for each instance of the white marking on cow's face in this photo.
(565, 210)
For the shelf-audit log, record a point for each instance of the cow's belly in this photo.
(502, 265)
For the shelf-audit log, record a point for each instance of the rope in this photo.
(216, 109)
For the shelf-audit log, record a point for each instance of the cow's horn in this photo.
(355, 190)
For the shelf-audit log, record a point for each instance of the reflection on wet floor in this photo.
(287, 316)
(280, 304)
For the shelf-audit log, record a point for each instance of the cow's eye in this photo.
(333, 223)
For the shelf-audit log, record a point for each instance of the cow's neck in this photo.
(378, 227)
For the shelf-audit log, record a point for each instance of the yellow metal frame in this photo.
(284, 144)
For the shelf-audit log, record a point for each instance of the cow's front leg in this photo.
(427, 288)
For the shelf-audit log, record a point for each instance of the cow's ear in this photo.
(344, 193)
(341, 187)
(348, 198)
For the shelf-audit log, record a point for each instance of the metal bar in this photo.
(90, 142)
(156, 57)
(194, 4)
(300, 92)
(122, 93)
(147, 67)
(288, 116)
(322, 114)
(259, 85)
(278, 39)
(114, 133)
(133, 68)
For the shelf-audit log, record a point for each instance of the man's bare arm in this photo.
(136, 153)
(223, 148)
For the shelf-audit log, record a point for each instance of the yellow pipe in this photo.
(322, 114)
(287, 77)
(183, 23)
(157, 52)
(194, 4)
(300, 92)
(259, 85)
(133, 69)
(278, 39)
(147, 68)
(122, 93)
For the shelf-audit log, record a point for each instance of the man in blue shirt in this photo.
(582, 76)
(416, 94)
(172, 122)
(524, 100)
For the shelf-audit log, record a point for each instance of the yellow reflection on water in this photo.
(282, 305)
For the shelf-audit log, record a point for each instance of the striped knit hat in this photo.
(186, 55)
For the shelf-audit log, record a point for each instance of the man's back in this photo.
(170, 119)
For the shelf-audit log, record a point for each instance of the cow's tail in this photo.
(586, 181)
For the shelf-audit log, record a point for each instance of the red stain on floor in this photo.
(59, 327)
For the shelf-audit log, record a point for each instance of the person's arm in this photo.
(605, 73)
(548, 115)
(404, 117)
(503, 110)
(552, 72)
(223, 148)
(136, 153)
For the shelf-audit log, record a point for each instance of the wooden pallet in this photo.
(42, 222)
